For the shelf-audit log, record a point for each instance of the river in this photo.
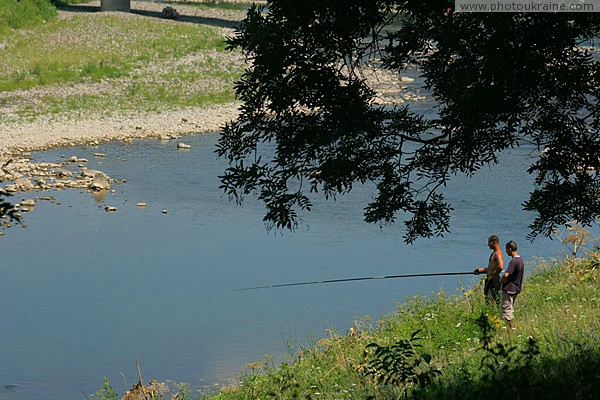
(83, 292)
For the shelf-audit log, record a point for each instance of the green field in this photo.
(24, 13)
(109, 63)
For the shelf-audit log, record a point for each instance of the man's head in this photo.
(511, 247)
(493, 241)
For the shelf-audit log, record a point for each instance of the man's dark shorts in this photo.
(492, 288)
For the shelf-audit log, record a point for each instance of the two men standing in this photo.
(511, 280)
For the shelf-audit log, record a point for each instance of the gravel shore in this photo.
(47, 133)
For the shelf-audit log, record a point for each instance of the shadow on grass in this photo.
(221, 23)
(573, 377)
(209, 21)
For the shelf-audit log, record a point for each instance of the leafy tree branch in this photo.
(309, 123)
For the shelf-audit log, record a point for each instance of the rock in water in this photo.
(100, 182)
(90, 173)
(183, 146)
(28, 203)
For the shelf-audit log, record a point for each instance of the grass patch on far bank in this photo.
(159, 87)
(96, 46)
(24, 13)
(105, 64)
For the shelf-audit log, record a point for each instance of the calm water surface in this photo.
(84, 292)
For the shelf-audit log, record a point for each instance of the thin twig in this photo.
(137, 361)
(6, 164)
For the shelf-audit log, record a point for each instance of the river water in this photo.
(84, 292)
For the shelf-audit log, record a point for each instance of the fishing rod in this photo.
(355, 279)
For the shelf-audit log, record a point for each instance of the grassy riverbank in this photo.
(553, 354)
(460, 348)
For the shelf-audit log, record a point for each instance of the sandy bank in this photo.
(48, 133)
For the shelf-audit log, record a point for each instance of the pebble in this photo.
(141, 204)
(28, 203)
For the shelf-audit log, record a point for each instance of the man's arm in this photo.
(511, 268)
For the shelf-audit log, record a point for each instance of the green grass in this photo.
(94, 47)
(24, 14)
(180, 86)
(114, 64)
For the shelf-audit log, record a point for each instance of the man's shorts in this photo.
(508, 305)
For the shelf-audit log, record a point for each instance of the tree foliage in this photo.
(308, 121)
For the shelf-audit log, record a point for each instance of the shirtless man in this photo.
(495, 266)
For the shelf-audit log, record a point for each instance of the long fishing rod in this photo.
(355, 279)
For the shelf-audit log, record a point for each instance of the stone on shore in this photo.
(23, 185)
(61, 173)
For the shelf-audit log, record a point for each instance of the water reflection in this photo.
(99, 195)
